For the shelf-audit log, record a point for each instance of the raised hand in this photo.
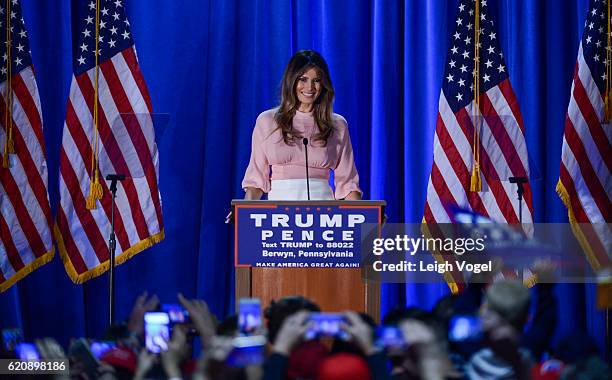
(291, 332)
(360, 332)
(203, 320)
(143, 304)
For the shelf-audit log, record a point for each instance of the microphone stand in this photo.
(305, 141)
(520, 190)
(112, 244)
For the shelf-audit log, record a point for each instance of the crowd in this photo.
(497, 331)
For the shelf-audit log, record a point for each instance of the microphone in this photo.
(114, 178)
(305, 142)
(520, 190)
(519, 183)
(517, 180)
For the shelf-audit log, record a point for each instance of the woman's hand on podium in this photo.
(252, 194)
(353, 196)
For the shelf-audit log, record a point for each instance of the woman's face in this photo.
(308, 89)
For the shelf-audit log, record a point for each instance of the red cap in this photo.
(548, 370)
(305, 359)
(344, 366)
(121, 357)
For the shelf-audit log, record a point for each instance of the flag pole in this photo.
(95, 188)
(475, 179)
(9, 145)
(607, 114)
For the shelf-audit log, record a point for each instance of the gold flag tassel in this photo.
(475, 179)
(95, 187)
(9, 148)
(95, 191)
(5, 155)
(9, 145)
(608, 94)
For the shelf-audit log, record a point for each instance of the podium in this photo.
(334, 289)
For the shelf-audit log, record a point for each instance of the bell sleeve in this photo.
(257, 174)
(346, 178)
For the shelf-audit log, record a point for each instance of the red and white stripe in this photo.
(585, 185)
(503, 153)
(25, 216)
(127, 141)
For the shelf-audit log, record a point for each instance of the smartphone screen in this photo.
(249, 315)
(176, 313)
(390, 338)
(464, 328)
(11, 337)
(326, 324)
(157, 331)
(99, 348)
(27, 351)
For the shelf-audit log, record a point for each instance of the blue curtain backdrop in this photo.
(214, 65)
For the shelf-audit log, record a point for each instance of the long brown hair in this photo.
(301, 62)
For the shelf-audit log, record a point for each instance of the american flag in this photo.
(81, 231)
(25, 235)
(501, 147)
(585, 185)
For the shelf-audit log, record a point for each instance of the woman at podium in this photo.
(303, 121)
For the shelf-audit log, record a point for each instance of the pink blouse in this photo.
(288, 161)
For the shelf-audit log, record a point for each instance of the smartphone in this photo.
(246, 351)
(79, 350)
(157, 331)
(464, 328)
(249, 315)
(27, 351)
(326, 324)
(11, 337)
(390, 338)
(176, 313)
(99, 348)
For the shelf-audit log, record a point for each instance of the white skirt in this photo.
(295, 190)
